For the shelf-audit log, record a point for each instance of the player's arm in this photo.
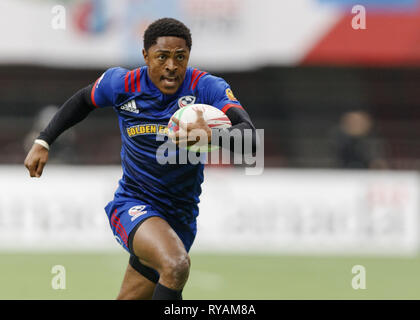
(241, 125)
(106, 90)
(71, 112)
(217, 92)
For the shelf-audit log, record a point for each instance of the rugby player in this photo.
(154, 210)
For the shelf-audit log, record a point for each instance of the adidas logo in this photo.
(130, 106)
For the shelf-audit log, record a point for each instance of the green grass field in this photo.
(215, 276)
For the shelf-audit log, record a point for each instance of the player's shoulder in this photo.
(114, 73)
(116, 85)
(201, 80)
(124, 80)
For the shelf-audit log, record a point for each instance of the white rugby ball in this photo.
(214, 117)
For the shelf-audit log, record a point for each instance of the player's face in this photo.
(167, 62)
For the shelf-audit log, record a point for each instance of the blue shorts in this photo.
(125, 214)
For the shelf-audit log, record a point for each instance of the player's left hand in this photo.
(191, 133)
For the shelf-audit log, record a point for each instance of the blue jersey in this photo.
(144, 112)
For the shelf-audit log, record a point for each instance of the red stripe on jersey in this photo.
(194, 75)
(231, 105)
(117, 224)
(115, 221)
(138, 80)
(198, 78)
(126, 81)
(92, 94)
(118, 231)
(133, 89)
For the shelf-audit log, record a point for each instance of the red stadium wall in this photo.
(390, 39)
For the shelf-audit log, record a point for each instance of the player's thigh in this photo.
(135, 286)
(157, 245)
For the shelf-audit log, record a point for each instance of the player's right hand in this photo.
(193, 132)
(36, 159)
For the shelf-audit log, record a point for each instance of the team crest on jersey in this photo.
(130, 106)
(230, 95)
(136, 212)
(186, 101)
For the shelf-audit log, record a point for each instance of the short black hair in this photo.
(166, 27)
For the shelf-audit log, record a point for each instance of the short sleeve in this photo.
(217, 92)
(108, 87)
